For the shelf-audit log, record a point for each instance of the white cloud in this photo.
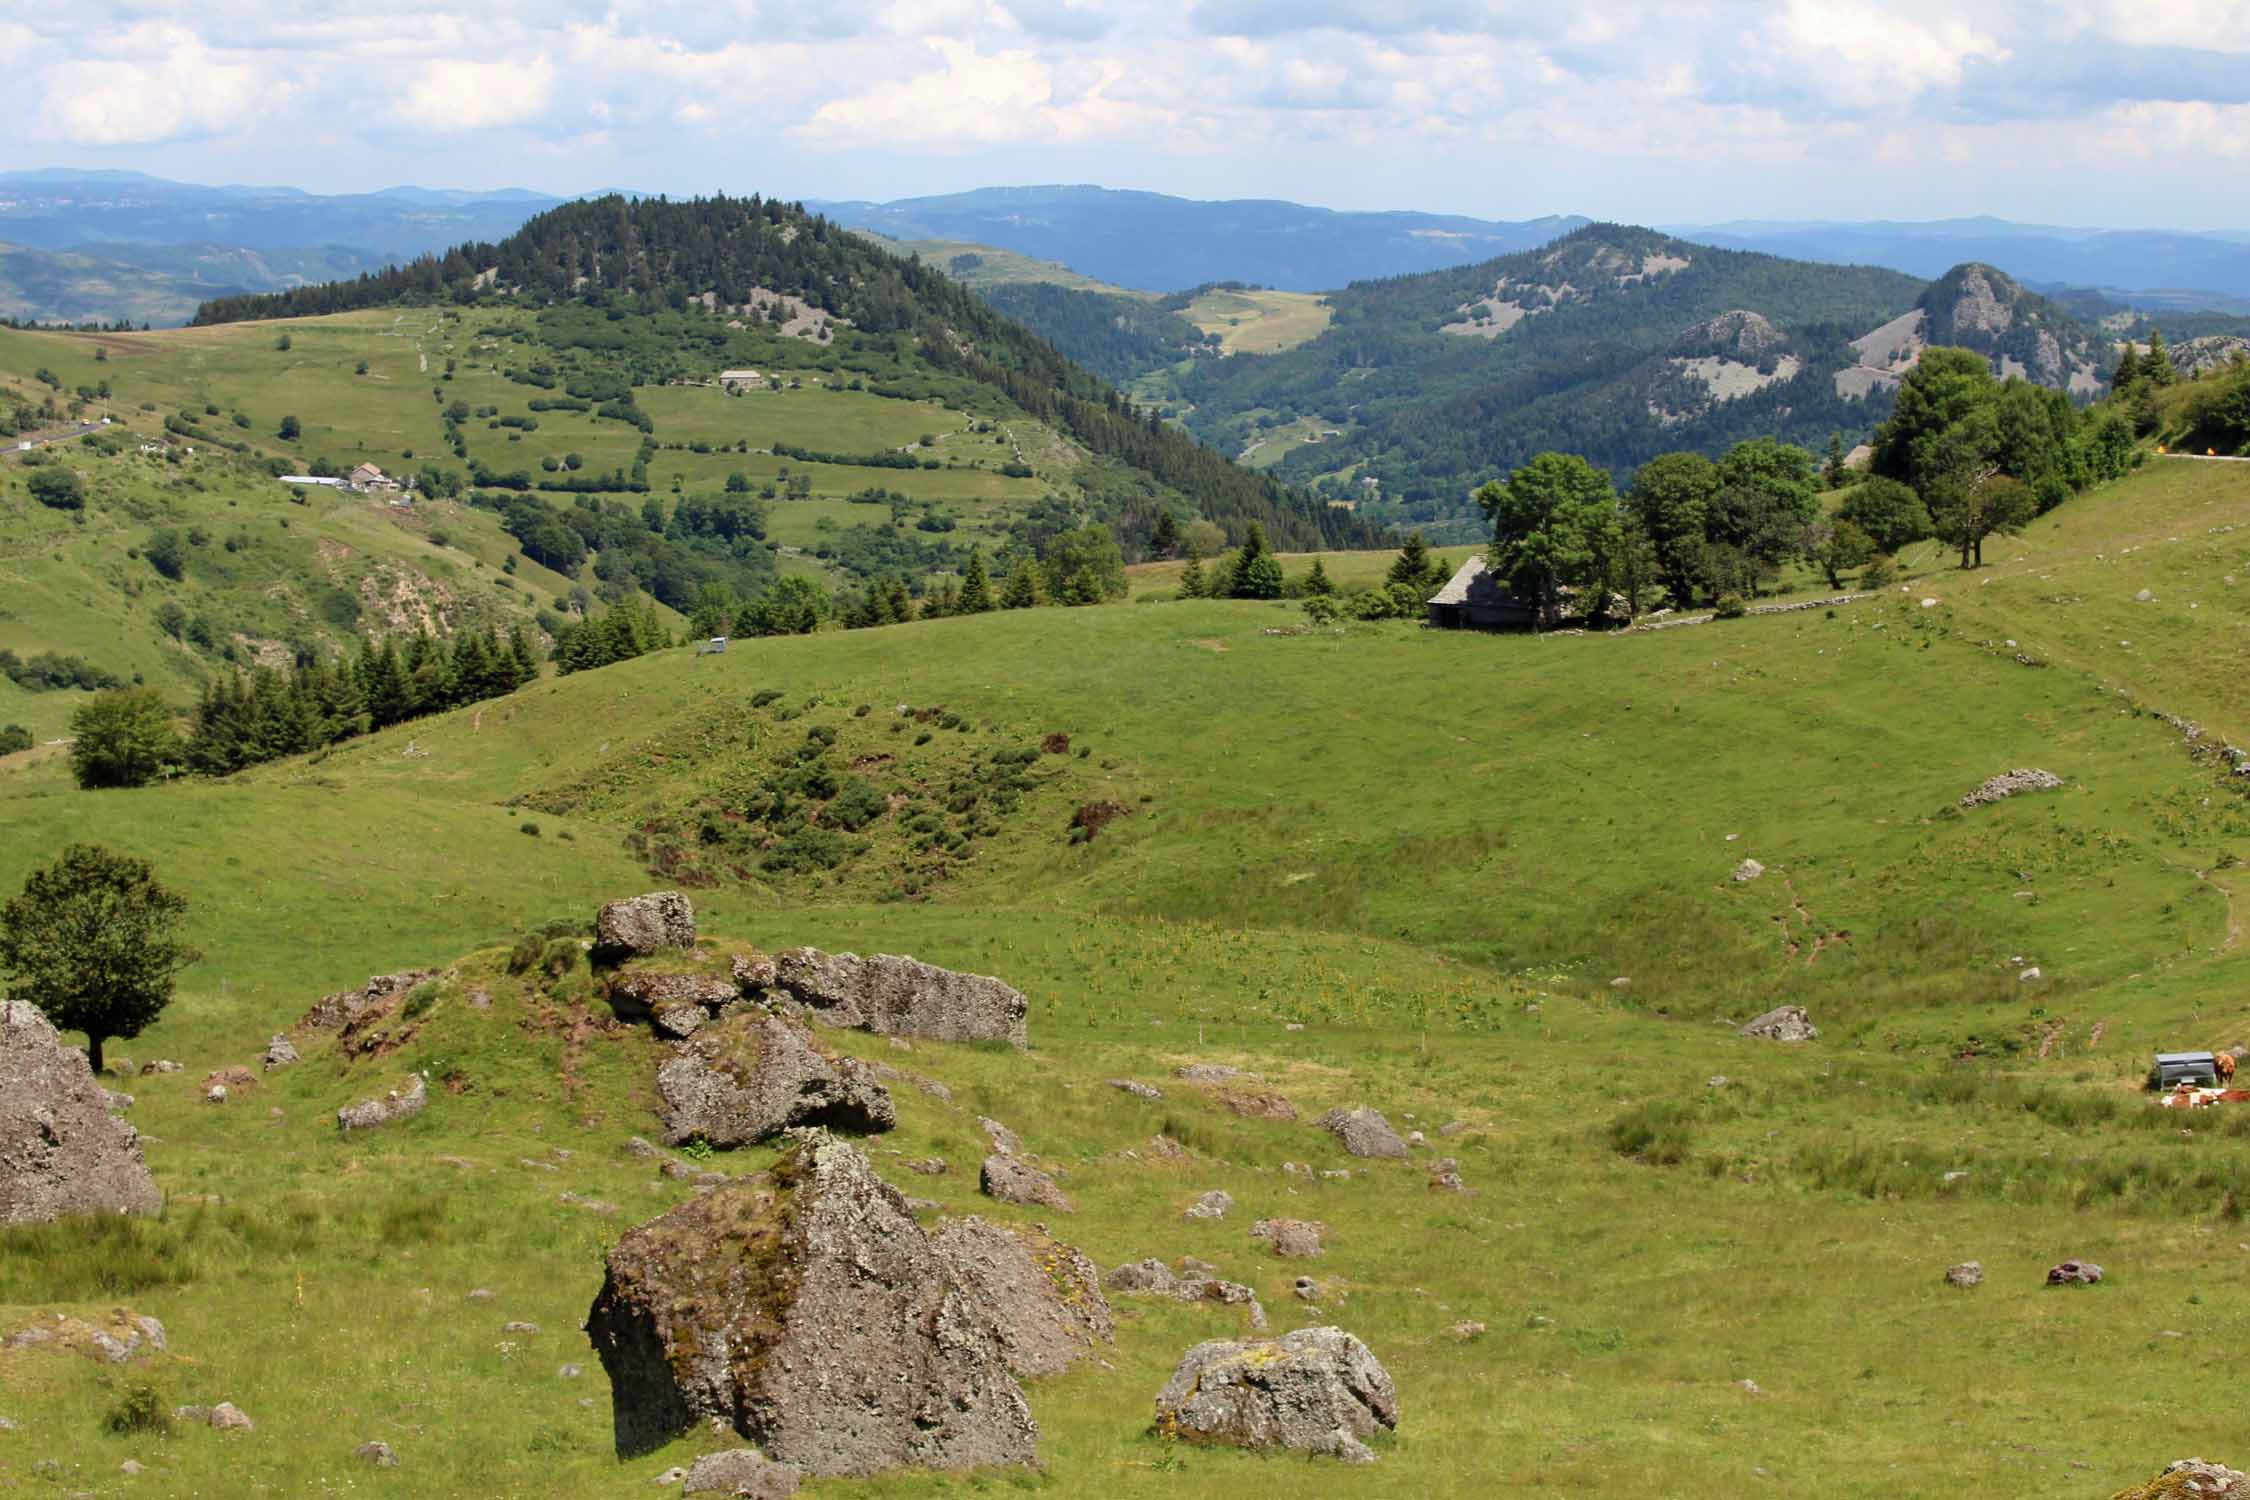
(160, 84)
(1868, 53)
(452, 94)
(977, 99)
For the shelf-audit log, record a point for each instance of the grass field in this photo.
(1260, 322)
(1438, 854)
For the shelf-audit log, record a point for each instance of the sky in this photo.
(2117, 113)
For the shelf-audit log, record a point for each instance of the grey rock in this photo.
(1747, 871)
(1212, 1205)
(673, 1475)
(338, 1011)
(1211, 1073)
(1453, 1128)
(744, 1473)
(1967, 1274)
(896, 996)
(640, 993)
(1042, 1298)
(1003, 1139)
(2193, 1479)
(807, 1308)
(62, 1150)
(2074, 1273)
(680, 1021)
(1363, 1131)
(2008, 783)
(1010, 1179)
(647, 1150)
(641, 925)
(161, 1065)
(227, 1417)
(1150, 1275)
(131, 1467)
(1445, 1175)
(279, 1052)
(929, 1166)
(1226, 1293)
(1136, 1088)
(376, 1455)
(1306, 1289)
(1292, 1239)
(752, 1076)
(1317, 1390)
(568, 1372)
(114, 1101)
(481, 1294)
(215, 1094)
(1784, 1023)
(519, 1327)
(401, 1103)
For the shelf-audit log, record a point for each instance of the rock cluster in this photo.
(2192, 1479)
(1363, 1131)
(338, 1011)
(752, 1076)
(641, 925)
(124, 1337)
(2008, 783)
(1292, 1239)
(1784, 1023)
(1011, 1179)
(400, 1103)
(1153, 1277)
(806, 1307)
(1318, 1390)
(61, 1149)
(279, 1052)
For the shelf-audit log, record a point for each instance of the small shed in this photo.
(1473, 599)
(2174, 1068)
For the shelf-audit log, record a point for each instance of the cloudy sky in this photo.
(2117, 112)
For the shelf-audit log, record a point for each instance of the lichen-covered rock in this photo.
(1748, 871)
(1363, 1131)
(2074, 1273)
(1965, 1275)
(807, 1308)
(1149, 1275)
(400, 1103)
(1318, 1390)
(125, 1336)
(337, 1011)
(2191, 1479)
(641, 925)
(1784, 1023)
(752, 1076)
(743, 1473)
(1292, 1239)
(1212, 1205)
(279, 1053)
(1043, 1297)
(62, 1151)
(1011, 1179)
(1136, 1088)
(1255, 1104)
(2008, 783)
(638, 993)
(897, 996)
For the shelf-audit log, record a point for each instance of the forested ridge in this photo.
(662, 253)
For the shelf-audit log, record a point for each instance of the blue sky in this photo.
(2082, 112)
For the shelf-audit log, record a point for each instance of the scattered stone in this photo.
(1256, 1104)
(2144, 597)
(896, 996)
(637, 993)
(2008, 783)
(753, 1075)
(1136, 1088)
(1335, 1174)
(1164, 1148)
(62, 1150)
(1042, 1298)
(1307, 1289)
(636, 1146)
(1748, 870)
(279, 1053)
(1445, 1175)
(929, 1166)
(1318, 1390)
(642, 925)
(2191, 1479)
(1149, 1275)
(376, 1455)
(1715, 1081)
(591, 1205)
(227, 1417)
(131, 1467)
(1453, 1128)
(2029, 974)
(568, 1372)
(1226, 1293)
(1292, 1239)
(519, 1327)
(1003, 1139)
(1748, 1387)
(1363, 1131)
(807, 1308)
(1010, 1179)
(1466, 1330)
(1210, 1073)
(1784, 1023)
(1212, 1205)
(161, 1065)
(742, 1472)
(2074, 1273)
(481, 1294)
(215, 1094)
(339, 1011)
(401, 1103)
(1965, 1275)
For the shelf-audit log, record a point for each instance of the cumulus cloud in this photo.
(975, 98)
(160, 84)
(453, 94)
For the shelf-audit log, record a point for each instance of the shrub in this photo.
(529, 828)
(141, 1409)
(764, 696)
(1880, 572)
(419, 1000)
(1659, 1133)
(57, 487)
(857, 804)
(1731, 607)
(14, 737)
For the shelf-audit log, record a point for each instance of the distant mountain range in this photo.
(1149, 242)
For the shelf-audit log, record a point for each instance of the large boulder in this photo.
(742, 1473)
(902, 997)
(1011, 1179)
(1318, 1390)
(1363, 1131)
(641, 925)
(61, 1150)
(1044, 1298)
(1784, 1023)
(338, 1011)
(752, 1076)
(805, 1307)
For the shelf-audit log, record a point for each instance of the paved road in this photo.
(15, 444)
(2207, 458)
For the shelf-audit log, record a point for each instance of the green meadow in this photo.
(1469, 879)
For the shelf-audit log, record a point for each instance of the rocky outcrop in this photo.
(62, 1151)
(1011, 1179)
(806, 1308)
(897, 996)
(1318, 1390)
(1043, 1298)
(641, 925)
(401, 1103)
(1784, 1023)
(750, 1077)
(280, 1053)
(338, 1011)
(638, 994)
(2008, 783)
(1363, 1131)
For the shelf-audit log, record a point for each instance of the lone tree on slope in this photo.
(93, 942)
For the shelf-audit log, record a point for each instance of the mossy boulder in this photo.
(750, 1076)
(897, 996)
(1318, 1390)
(1044, 1297)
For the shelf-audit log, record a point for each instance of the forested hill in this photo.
(655, 254)
(1615, 342)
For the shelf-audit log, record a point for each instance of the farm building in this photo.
(1473, 599)
(368, 477)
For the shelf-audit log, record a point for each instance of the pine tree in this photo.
(526, 664)
(1191, 578)
(976, 588)
(1317, 583)
(1412, 565)
(1257, 572)
(898, 602)
(1833, 472)
(389, 701)
(1081, 588)
(1164, 537)
(2156, 366)
(1024, 590)
(2128, 369)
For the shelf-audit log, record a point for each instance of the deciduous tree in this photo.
(94, 942)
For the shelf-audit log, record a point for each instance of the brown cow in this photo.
(2225, 1064)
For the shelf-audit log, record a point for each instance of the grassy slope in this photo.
(1435, 851)
(1260, 322)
